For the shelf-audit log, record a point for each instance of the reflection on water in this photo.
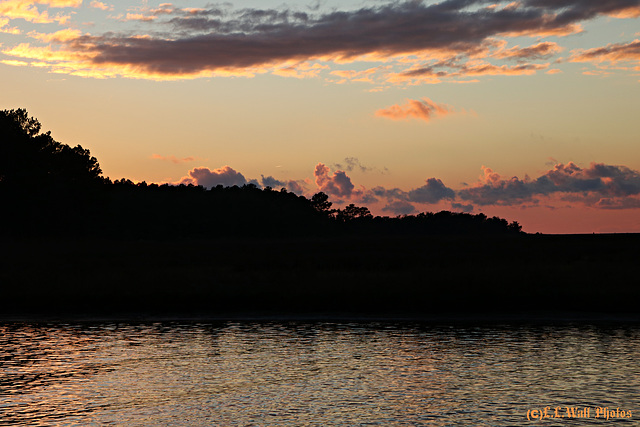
(320, 374)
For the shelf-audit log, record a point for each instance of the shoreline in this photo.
(414, 278)
(495, 319)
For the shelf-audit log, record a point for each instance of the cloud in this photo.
(454, 69)
(99, 5)
(599, 185)
(352, 163)
(432, 192)
(225, 176)
(298, 187)
(355, 76)
(7, 30)
(173, 159)
(461, 207)
(270, 181)
(138, 17)
(27, 10)
(400, 207)
(613, 53)
(14, 63)
(57, 37)
(191, 43)
(539, 51)
(423, 110)
(300, 70)
(338, 184)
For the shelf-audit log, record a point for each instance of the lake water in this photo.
(317, 374)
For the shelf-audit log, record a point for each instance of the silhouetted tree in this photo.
(51, 188)
(30, 159)
(352, 212)
(320, 202)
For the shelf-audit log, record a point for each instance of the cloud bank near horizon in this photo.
(598, 186)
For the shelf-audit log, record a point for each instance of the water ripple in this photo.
(313, 374)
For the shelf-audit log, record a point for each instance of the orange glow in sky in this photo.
(526, 110)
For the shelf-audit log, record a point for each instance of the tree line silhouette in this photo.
(50, 188)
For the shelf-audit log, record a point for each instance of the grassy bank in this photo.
(360, 275)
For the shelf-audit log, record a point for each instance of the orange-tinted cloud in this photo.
(99, 5)
(613, 53)
(452, 69)
(57, 37)
(338, 184)
(138, 17)
(300, 70)
(173, 159)
(538, 51)
(630, 12)
(7, 30)
(219, 41)
(355, 76)
(27, 10)
(423, 110)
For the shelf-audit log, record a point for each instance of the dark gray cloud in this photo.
(219, 39)
(598, 185)
(269, 181)
(297, 187)
(461, 207)
(351, 163)
(225, 176)
(542, 50)
(432, 192)
(400, 207)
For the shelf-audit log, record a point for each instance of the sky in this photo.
(528, 110)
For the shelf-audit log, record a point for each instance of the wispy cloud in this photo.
(612, 53)
(99, 5)
(542, 50)
(424, 110)
(353, 163)
(173, 159)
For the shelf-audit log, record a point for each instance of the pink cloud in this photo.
(423, 110)
(599, 186)
(612, 53)
(338, 184)
(539, 51)
(225, 176)
(173, 159)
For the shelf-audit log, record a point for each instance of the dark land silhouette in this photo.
(75, 242)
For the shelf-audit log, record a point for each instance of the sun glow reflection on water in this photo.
(273, 373)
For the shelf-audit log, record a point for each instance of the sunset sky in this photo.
(529, 110)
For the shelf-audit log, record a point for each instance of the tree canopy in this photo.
(34, 160)
(51, 188)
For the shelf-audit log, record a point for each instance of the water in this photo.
(314, 374)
